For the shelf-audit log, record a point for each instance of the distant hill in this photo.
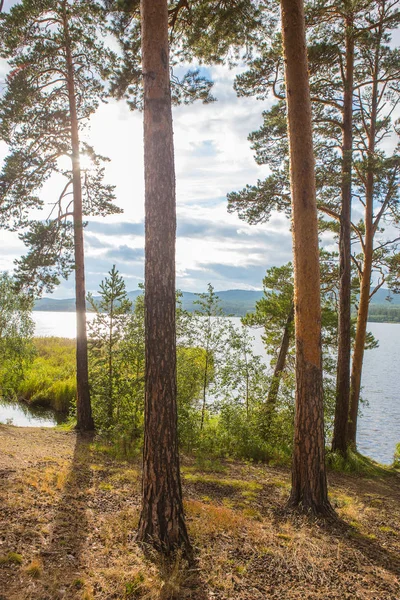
(381, 298)
(238, 303)
(233, 302)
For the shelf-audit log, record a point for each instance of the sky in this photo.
(213, 157)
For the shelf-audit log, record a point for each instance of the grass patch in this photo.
(11, 558)
(386, 529)
(207, 464)
(208, 519)
(239, 484)
(117, 449)
(34, 570)
(106, 487)
(356, 463)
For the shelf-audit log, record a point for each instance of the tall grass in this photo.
(50, 379)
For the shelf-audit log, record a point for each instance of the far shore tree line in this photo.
(335, 78)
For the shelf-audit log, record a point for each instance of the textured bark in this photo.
(83, 406)
(309, 486)
(339, 440)
(278, 371)
(162, 521)
(365, 280)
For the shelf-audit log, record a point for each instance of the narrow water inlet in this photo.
(21, 414)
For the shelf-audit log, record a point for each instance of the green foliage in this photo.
(221, 384)
(106, 332)
(209, 31)
(272, 310)
(382, 313)
(36, 118)
(16, 330)
(396, 458)
(372, 25)
(190, 378)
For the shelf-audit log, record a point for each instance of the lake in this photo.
(379, 423)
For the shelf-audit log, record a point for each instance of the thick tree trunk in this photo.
(365, 280)
(270, 403)
(162, 521)
(309, 486)
(84, 410)
(339, 440)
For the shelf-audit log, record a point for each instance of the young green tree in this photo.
(106, 333)
(132, 348)
(162, 520)
(309, 486)
(16, 331)
(242, 384)
(275, 312)
(57, 60)
(210, 330)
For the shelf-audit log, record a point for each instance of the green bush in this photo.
(396, 458)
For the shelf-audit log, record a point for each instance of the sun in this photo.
(64, 162)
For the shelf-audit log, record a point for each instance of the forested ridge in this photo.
(234, 302)
(184, 464)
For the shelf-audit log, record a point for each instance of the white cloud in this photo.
(213, 157)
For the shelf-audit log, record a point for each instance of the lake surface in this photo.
(379, 424)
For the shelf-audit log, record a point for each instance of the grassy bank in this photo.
(50, 379)
(70, 511)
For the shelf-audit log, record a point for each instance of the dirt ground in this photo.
(68, 514)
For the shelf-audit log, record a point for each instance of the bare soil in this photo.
(69, 511)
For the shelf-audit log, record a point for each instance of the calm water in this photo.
(379, 424)
(27, 416)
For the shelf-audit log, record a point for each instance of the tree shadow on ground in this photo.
(369, 547)
(347, 534)
(62, 556)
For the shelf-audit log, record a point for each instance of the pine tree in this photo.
(275, 312)
(57, 62)
(378, 174)
(106, 333)
(309, 486)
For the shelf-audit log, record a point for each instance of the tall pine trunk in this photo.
(162, 518)
(368, 250)
(309, 485)
(339, 440)
(84, 410)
